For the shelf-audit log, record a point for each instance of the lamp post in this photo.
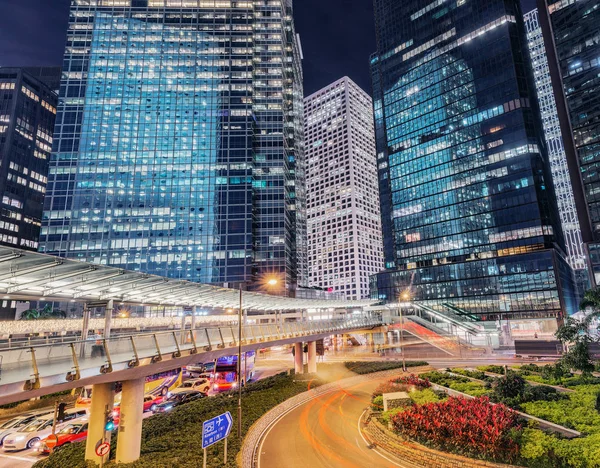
(404, 296)
(239, 369)
(270, 282)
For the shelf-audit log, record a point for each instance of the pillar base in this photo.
(130, 423)
(103, 398)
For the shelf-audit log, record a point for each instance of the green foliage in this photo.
(555, 372)
(578, 358)
(173, 439)
(377, 366)
(426, 396)
(577, 411)
(511, 385)
(477, 374)
(377, 403)
(491, 368)
(460, 384)
(386, 416)
(597, 406)
(529, 368)
(542, 450)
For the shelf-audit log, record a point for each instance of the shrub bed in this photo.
(466, 427)
(460, 384)
(361, 368)
(174, 439)
(575, 410)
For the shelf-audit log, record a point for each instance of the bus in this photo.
(156, 384)
(225, 371)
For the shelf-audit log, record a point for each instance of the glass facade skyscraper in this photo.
(571, 29)
(468, 210)
(177, 150)
(561, 180)
(27, 113)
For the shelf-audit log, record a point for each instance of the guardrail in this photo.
(31, 364)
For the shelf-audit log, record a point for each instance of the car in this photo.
(14, 424)
(71, 433)
(39, 428)
(178, 399)
(202, 385)
(150, 402)
(197, 370)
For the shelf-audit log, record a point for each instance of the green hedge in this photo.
(175, 439)
(366, 367)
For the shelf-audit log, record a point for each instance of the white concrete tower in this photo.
(345, 243)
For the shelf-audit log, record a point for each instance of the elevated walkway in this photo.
(34, 371)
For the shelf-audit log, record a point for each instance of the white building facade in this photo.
(345, 242)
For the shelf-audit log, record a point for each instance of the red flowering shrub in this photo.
(466, 427)
(387, 387)
(412, 381)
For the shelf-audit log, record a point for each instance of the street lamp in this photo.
(270, 282)
(405, 296)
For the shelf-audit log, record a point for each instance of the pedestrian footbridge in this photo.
(32, 371)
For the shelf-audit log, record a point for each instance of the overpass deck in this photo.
(29, 372)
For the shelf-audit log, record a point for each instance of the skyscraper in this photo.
(572, 39)
(561, 180)
(469, 214)
(27, 113)
(177, 150)
(344, 224)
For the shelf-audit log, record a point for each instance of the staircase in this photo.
(429, 336)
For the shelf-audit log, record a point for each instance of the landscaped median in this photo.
(174, 439)
(487, 427)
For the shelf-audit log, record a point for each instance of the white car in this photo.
(15, 424)
(39, 428)
(202, 385)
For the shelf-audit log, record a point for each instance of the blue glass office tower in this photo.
(469, 214)
(176, 151)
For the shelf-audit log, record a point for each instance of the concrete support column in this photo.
(312, 357)
(298, 358)
(182, 336)
(103, 397)
(386, 338)
(193, 317)
(85, 328)
(130, 423)
(108, 318)
(335, 343)
(372, 342)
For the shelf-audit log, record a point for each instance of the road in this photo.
(324, 433)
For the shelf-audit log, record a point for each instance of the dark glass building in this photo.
(469, 213)
(572, 36)
(27, 113)
(177, 147)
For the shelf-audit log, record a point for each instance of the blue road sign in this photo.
(216, 429)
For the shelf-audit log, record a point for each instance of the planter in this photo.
(415, 453)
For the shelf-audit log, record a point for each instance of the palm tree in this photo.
(31, 314)
(48, 312)
(591, 299)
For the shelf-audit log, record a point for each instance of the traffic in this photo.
(39, 433)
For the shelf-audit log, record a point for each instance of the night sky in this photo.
(337, 36)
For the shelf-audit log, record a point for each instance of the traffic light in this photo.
(109, 423)
(61, 411)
